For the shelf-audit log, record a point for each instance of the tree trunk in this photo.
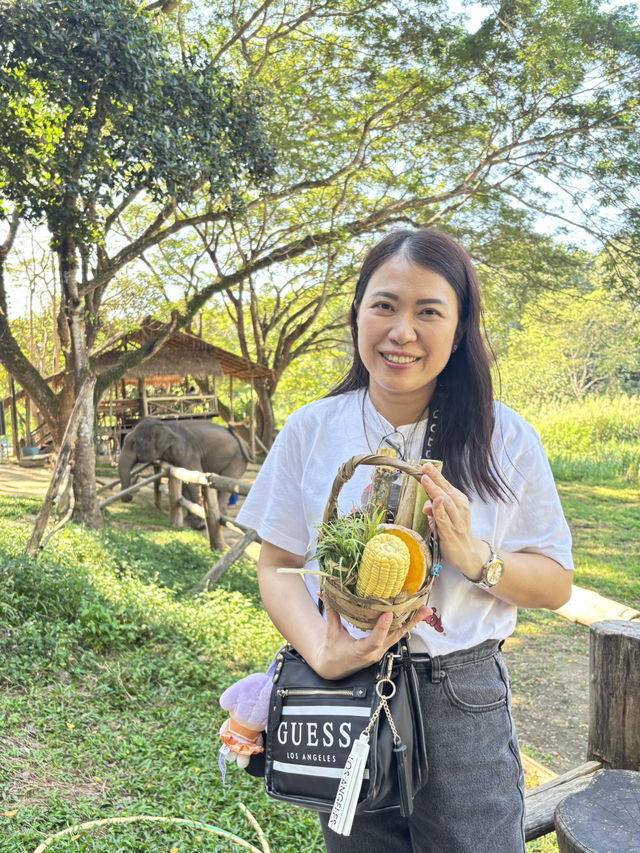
(86, 510)
(265, 425)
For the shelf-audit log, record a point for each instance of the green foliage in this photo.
(113, 591)
(571, 344)
(593, 440)
(94, 104)
(605, 525)
(124, 722)
(341, 542)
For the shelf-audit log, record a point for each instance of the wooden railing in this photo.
(215, 521)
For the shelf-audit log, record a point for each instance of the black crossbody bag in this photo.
(347, 746)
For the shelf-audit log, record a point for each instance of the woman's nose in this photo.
(403, 330)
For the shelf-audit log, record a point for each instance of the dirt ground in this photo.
(549, 669)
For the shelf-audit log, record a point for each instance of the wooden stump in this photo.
(614, 696)
(604, 818)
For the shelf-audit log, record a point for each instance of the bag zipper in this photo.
(352, 692)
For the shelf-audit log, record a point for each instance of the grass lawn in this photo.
(110, 672)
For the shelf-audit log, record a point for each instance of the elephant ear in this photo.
(163, 438)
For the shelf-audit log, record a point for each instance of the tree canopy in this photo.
(97, 109)
(122, 128)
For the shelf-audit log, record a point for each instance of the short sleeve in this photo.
(534, 521)
(274, 506)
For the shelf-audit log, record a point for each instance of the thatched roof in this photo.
(182, 354)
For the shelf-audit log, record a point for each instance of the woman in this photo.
(421, 373)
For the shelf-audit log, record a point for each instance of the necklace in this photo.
(404, 445)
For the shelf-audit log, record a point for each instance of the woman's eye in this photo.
(384, 306)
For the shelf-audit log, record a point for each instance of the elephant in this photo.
(196, 445)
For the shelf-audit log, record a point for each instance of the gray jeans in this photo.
(473, 801)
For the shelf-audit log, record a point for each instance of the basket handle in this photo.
(346, 470)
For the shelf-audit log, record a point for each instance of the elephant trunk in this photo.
(125, 463)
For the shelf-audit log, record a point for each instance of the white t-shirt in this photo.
(287, 501)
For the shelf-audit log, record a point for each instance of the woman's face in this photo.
(407, 327)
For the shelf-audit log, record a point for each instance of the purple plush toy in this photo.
(247, 702)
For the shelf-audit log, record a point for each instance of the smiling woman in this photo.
(407, 329)
(421, 370)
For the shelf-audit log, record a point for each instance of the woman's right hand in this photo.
(341, 654)
(325, 644)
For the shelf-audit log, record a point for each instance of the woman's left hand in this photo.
(448, 507)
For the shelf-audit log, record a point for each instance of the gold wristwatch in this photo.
(491, 571)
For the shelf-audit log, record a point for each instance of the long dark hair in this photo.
(464, 393)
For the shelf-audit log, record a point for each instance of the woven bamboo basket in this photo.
(364, 612)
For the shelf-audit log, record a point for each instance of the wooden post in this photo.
(27, 420)
(614, 695)
(14, 419)
(212, 518)
(176, 513)
(231, 417)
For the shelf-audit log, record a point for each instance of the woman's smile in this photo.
(399, 359)
(407, 327)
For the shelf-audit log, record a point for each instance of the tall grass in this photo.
(593, 439)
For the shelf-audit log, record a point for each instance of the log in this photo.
(234, 553)
(224, 484)
(194, 509)
(602, 818)
(128, 491)
(541, 802)
(614, 695)
(587, 607)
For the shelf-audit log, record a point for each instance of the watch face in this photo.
(493, 572)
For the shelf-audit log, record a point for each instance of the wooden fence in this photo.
(215, 520)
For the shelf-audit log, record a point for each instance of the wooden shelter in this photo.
(179, 381)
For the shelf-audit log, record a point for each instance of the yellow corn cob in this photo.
(383, 567)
